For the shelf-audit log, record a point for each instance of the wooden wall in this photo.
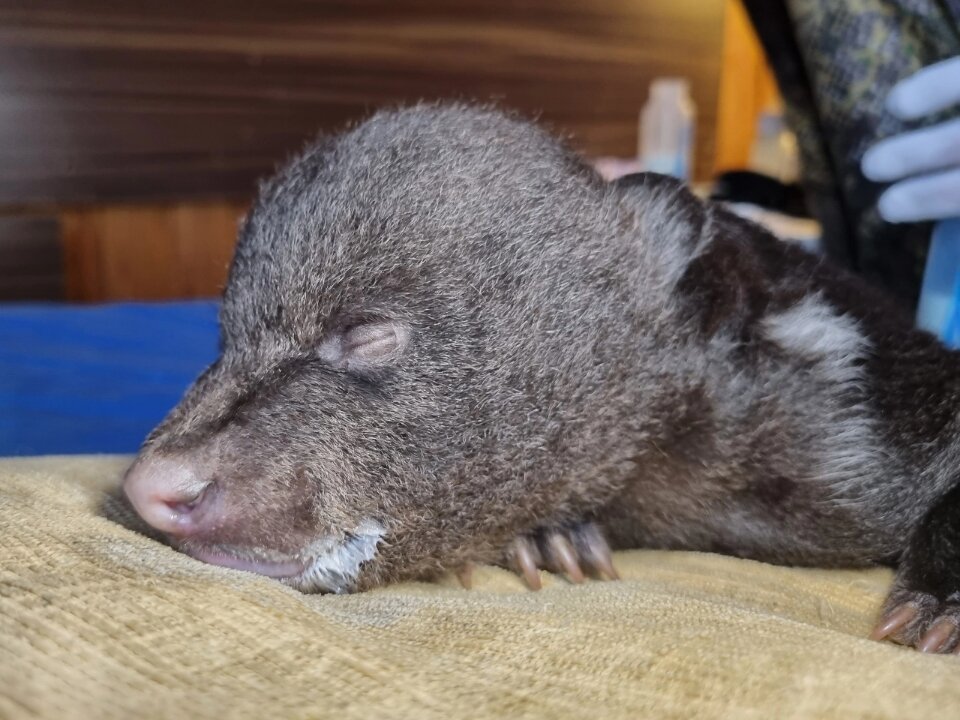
(106, 100)
(142, 127)
(31, 261)
(148, 252)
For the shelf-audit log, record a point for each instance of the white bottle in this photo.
(666, 129)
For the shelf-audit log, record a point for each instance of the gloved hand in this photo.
(929, 158)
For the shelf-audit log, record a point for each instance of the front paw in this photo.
(577, 551)
(921, 620)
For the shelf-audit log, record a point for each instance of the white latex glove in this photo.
(929, 158)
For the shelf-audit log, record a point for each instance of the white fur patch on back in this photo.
(814, 330)
(851, 455)
(336, 561)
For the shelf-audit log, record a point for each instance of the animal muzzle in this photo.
(173, 495)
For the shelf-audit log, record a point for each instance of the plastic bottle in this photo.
(774, 150)
(666, 128)
(939, 309)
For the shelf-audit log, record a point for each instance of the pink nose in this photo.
(169, 494)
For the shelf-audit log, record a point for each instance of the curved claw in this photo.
(894, 622)
(595, 552)
(576, 550)
(525, 556)
(465, 576)
(937, 636)
(565, 556)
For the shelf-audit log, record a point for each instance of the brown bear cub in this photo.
(446, 340)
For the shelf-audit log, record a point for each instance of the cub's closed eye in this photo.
(374, 342)
(367, 345)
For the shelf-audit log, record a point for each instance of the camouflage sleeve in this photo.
(835, 63)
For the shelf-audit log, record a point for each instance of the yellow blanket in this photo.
(97, 621)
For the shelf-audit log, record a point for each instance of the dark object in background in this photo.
(31, 259)
(835, 62)
(745, 186)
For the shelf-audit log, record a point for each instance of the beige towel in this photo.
(97, 621)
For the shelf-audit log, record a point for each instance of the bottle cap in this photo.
(669, 88)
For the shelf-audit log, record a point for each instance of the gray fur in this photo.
(545, 348)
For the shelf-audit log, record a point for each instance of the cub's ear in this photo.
(366, 345)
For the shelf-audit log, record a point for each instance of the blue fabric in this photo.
(92, 379)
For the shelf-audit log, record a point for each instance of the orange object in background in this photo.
(747, 88)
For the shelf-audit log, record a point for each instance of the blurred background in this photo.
(132, 135)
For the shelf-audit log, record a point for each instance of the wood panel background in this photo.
(106, 99)
(31, 258)
(143, 126)
(149, 252)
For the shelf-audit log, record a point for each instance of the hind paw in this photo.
(577, 551)
(920, 620)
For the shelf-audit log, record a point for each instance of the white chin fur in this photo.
(337, 561)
